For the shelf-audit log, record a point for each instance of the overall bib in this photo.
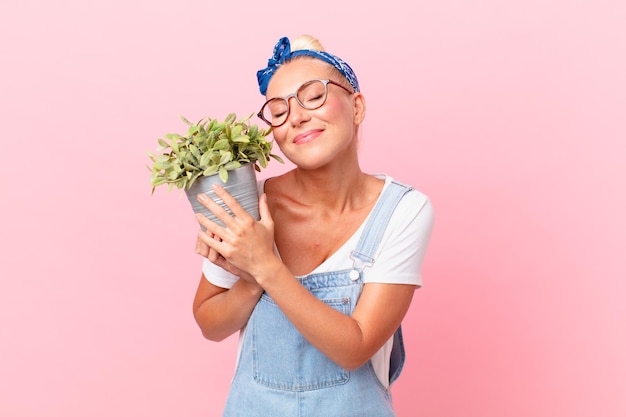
(280, 374)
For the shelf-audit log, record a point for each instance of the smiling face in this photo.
(314, 138)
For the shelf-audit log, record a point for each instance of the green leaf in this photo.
(245, 119)
(253, 131)
(230, 119)
(175, 146)
(193, 129)
(170, 136)
(226, 157)
(202, 122)
(236, 130)
(210, 170)
(190, 167)
(192, 180)
(163, 144)
(215, 158)
(205, 159)
(222, 145)
(192, 159)
(232, 165)
(241, 139)
(194, 150)
(158, 181)
(159, 165)
(223, 173)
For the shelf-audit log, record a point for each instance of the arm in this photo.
(220, 312)
(349, 341)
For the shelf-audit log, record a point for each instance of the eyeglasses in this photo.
(311, 95)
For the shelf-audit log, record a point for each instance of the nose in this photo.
(297, 113)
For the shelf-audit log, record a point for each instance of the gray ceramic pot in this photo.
(241, 185)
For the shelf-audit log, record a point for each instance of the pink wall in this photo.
(509, 115)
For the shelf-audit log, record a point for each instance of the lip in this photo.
(307, 136)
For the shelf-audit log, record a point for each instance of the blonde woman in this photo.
(318, 288)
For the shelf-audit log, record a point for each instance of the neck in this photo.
(336, 188)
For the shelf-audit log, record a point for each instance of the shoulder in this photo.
(405, 240)
(413, 204)
(410, 225)
(413, 218)
(275, 185)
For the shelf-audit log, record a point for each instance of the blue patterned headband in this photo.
(282, 54)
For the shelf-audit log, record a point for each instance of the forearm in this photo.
(226, 312)
(340, 337)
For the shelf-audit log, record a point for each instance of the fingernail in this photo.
(201, 197)
(217, 187)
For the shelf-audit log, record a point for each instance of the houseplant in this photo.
(228, 152)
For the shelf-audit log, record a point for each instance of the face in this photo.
(326, 135)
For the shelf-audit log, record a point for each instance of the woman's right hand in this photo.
(214, 256)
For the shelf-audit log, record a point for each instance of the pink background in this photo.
(508, 114)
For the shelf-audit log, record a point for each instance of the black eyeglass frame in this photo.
(295, 95)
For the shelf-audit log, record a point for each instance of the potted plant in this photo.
(229, 152)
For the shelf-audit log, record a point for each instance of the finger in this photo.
(264, 209)
(220, 261)
(215, 208)
(230, 201)
(202, 248)
(211, 228)
(213, 256)
(211, 240)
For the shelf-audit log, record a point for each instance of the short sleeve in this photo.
(218, 276)
(401, 253)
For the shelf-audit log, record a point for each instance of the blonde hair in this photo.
(307, 42)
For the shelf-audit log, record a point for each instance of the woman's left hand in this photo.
(244, 242)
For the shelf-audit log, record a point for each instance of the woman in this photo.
(320, 285)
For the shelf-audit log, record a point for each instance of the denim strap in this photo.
(363, 255)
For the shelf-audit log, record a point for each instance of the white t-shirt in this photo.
(398, 259)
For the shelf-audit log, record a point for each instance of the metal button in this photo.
(354, 275)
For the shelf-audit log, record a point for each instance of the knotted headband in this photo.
(282, 54)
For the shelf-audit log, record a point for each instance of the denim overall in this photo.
(280, 374)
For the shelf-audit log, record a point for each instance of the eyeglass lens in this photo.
(311, 95)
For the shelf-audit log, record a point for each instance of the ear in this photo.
(359, 108)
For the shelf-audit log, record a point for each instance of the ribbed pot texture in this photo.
(241, 185)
